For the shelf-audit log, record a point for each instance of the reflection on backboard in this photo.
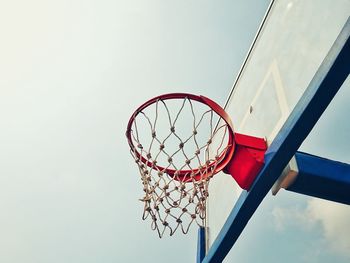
(291, 44)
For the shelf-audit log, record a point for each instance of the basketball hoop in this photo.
(179, 142)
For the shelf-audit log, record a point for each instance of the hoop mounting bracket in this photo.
(248, 159)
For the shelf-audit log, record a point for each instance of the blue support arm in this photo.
(322, 178)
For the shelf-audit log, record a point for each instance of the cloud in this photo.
(291, 216)
(334, 219)
(331, 218)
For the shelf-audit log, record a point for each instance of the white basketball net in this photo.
(176, 201)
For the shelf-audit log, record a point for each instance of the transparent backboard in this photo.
(290, 46)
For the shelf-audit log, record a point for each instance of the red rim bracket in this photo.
(247, 161)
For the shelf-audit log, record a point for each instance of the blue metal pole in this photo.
(201, 244)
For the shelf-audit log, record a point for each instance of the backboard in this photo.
(291, 44)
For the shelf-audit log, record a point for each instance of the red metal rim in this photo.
(183, 175)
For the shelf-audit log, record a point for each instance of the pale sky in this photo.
(72, 73)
